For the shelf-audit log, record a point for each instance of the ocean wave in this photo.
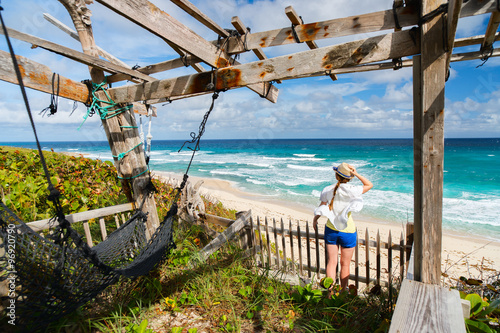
(305, 167)
(227, 173)
(310, 159)
(255, 181)
(299, 181)
(304, 155)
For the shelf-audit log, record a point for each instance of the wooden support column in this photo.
(429, 72)
(120, 139)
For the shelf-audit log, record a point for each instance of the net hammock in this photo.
(52, 276)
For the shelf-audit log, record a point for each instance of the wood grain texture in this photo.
(427, 308)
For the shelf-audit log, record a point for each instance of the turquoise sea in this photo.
(296, 170)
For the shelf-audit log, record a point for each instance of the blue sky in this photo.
(363, 105)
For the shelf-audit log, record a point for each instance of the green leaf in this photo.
(478, 327)
(475, 303)
(250, 314)
(176, 329)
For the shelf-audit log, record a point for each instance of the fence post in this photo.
(268, 244)
(367, 256)
(316, 237)
(356, 262)
(276, 244)
(378, 257)
(300, 250)
(291, 245)
(308, 248)
(410, 227)
(283, 243)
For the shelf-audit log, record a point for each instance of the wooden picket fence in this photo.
(298, 251)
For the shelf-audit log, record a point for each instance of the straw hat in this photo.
(343, 170)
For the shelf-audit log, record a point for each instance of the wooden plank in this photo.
(429, 80)
(83, 216)
(192, 10)
(367, 255)
(77, 56)
(63, 27)
(316, 239)
(254, 241)
(158, 67)
(389, 263)
(299, 246)
(268, 243)
(230, 233)
(261, 242)
(117, 221)
(378, 257)
(283, 245)
(296, 20)
(489, 35)
(358, 24)
(356, 263)
(401, 256)
(276, 244)
(102, 226)
(291, 245)
(39, 77)
(308, 249)
(240, 27)
(379, 48)
(150, 17)
(427, 308)
(88, 235)
(473, 40)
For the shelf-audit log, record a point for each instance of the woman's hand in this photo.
(315, 223)
(353, 170)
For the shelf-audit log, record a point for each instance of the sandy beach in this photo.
(462, 254)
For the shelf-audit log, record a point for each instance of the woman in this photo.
(337, 203)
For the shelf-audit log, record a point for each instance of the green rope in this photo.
(99, 105)
(122, 155)
(134, 176)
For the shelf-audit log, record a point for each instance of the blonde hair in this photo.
(340, 180)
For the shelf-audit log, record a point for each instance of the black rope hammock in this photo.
(50, 277)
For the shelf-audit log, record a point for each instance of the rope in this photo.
(96, 106)
(122, 155)
(54, 98)
(129, 178)
(268, 90)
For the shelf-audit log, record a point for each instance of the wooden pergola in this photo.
(422, 32)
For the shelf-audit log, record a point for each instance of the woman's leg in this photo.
(331, 265)
(345, 265)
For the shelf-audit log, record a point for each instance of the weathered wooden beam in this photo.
(63, 27)
(121, 130)
(427, 308)
(242, 30)
(159, 67)
(373, 49)
(156, 21)
(192, 10)
(473, 40)
(178, 36)
(230, 233)
(491, 29)
(296, 20)
(83, 216)
(429, 75)
(39, 77)
(454, 8)
(358, 24)
(83, 58)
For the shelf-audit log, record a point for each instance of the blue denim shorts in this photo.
(343, 239)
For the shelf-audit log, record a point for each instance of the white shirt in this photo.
(347, 199)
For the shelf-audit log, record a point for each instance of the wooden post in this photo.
(378, 257)
(316, 238)
(291, 245)
(120, 139)
(429, 72)
(367, 257)
(401, 256)
(301, 272)
(268, 243)
(308, 248)
(276, 244)
(283, 243)
(356, 262)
